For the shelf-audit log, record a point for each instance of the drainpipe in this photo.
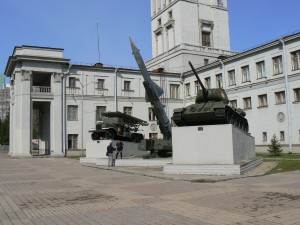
(64, 110)
(288, 104)
(223, 74)
(116, 90)
(182, 89)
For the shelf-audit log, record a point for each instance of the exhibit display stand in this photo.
(212, 150)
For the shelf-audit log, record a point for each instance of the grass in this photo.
(281, 156)
(284, 165)
(286, 162)
(74, 157)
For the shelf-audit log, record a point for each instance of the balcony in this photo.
(128, 93)
(41, 92)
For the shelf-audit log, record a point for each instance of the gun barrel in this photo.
(204, 90)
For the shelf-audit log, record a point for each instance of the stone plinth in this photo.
(211, 149)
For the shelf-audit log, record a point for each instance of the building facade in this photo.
(61, 101)
(193, 30)
(54, 102)
(265, 83)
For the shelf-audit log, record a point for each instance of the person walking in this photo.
(119, 146)
(110, 154)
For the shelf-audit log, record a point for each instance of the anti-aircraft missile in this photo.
(153, 92)
(139, 60)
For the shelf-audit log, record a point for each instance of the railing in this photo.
(101, 91)
(73, 90)
(127, 93)
(41, 89)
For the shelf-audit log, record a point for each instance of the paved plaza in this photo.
(61, 191)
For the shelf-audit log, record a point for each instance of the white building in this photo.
(56, 102)
(193, 30)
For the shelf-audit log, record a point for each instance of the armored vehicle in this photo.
(117, 125)
(211, 107)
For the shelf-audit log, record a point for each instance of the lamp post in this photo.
(82, 86)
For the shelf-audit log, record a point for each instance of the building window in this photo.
(277, 65)
(295, 60)
(197, 87)
(159, 22)
(206, 39)
(233, 104)
(297, 94)
(245, 74)
(72, 141)
(170, 15)
(151, 114)
(187, 89)
(262, 100)
(231, 77)
(206, 61)
(219, 83)
(220, 2)
(127, 110)
(127, 85)
(282, 138)
(72, 112)
(99, 111)
(207, 82)
(72, 82)
(247, 103)
(100, 84)
(280, 97)
(174, 91)
(264, 137)
(260, 68)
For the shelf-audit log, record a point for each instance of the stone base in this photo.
(19, 155)
(212, 169)
(211, 145)
(139, 162)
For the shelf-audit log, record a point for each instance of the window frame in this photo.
(277, 61)
(247, 103)
(295, 60)
(219, 80)
(280, 97)
(175, 91)
(231, 77)
(262, 100)
(245, 76)
(260, 69)
(297, 94)
(70, 116)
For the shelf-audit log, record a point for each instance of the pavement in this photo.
(61, 191)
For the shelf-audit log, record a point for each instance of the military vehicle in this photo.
(117, 125)
(211, 107)
(160, 147)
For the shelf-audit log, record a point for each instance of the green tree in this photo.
(4, 131)
(275, 147)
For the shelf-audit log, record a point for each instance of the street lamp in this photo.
(82, 86)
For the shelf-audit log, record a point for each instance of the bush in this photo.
(275, 147)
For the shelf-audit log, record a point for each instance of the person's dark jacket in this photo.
(110, 149)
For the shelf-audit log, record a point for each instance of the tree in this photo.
(275, 147)
(4, 131)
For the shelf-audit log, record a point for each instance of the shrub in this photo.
(275, 147)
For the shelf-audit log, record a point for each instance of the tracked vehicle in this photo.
(210, 108)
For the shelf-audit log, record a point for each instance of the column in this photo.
(56, 116)
(22, 115)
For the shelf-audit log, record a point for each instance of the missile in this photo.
(153, 92)
(139, 60)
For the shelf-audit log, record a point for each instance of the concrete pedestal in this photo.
(212, 149)
(96, 150)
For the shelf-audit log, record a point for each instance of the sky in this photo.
(72, 25)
